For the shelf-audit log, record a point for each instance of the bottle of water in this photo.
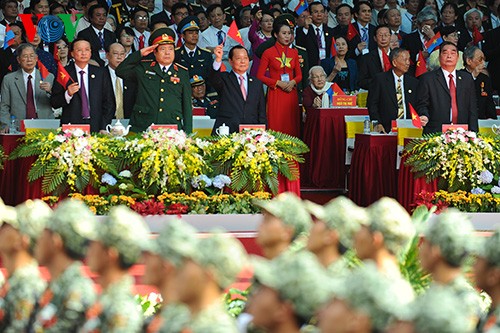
(13, 125)
(366, 126)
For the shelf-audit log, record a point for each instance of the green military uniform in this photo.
(25, 285)
(162, 98)
(121, 13)
(175, 243)
(116, 309)
(211, 106)
(452, 233)
(62, 306)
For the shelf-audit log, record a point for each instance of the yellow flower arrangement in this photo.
(462, 200)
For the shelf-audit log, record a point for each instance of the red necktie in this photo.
(179, 40)
(453, 94)
(387, 62)
(141, 42)
(30, 100)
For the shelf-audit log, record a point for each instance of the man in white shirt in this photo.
(139, 22)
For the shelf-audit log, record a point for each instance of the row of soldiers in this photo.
(307, 280)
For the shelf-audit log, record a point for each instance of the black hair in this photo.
(76, 40)
(137, 10)
(4, 3)
(274, 10)
(316, 3)
(237, 47)
(277, 27)
(447, 43)
(449, 4)
(128, 30)
(213, 7)
(20, 26)
(378, 27)
(357, 6)
(93, 8)
(178, 6)
(52, 46)
(53, 6)
(267, 12)
(342, 5)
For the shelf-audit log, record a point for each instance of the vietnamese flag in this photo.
(415, 118)
(245, 3)
(333, 49)
(44, 72)
(351, 32)
(337, 90)
(476, 36)
(421, 64)
(234, 33)
(62, 75)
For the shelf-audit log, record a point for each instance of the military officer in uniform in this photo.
(189, 55)
(164, 92)
(60, 248)
(200, 98)
(122, 11)
(20, 228)
(119, 242)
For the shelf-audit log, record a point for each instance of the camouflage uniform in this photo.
(62, 306)
(171, 318)
(116, 309)
(214, 319)
(25, 285)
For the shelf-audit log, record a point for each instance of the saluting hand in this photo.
(147, 50)
(73, 88)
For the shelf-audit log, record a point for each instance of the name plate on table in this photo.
(199, 111)
(454, 127)
(31, 125)
(85, 128)
(344, 100)
(157, 127)
(250, 127)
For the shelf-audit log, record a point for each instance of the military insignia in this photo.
(175, 79)
(175, 67)
(150, 73)
(153, 63)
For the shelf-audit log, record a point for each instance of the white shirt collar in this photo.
(85, 69)
(238, 75)
(98, 31)
(396, 78)
(188, 50)
(25, 74)
(446, 73)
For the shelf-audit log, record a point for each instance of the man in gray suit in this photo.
(25, 94)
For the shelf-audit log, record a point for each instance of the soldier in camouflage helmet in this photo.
(384, 235)
(18, 234)
(285, 219)
(438, 312)
(364, 302)
(448, 241)
(331, 235)
(205, 275)
(487, 277)
(286, 297)
(162, 264)
(118, 243)
(60, 248)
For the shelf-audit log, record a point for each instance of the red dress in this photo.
(283, 113)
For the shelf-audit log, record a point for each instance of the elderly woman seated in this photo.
(316, 95)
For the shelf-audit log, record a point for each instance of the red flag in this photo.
(421, 65)
(433, 40)
(56, 53)
(351, 32)
(223, 67)
(387, 61)
(476, 35)
(245, 3)
(234, 33)
(62, 75)
(415, 118)
(337, 90)
(333, 49)
(44, 72)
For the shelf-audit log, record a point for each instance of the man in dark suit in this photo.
(241, 96)
(362, 42)
(88, 97)
(392, 92)
(491, 49)
(343, 14)
(377, 60)
(474, 64)
(165, 15)
(414, 42)
(99, 38)
(444, 95)
(315, 36)
(124, 91)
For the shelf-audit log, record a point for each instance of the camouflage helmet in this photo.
(176, 242)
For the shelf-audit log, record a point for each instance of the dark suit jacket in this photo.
(484, 95)
(233, 109)
(309, 42)
(353, 43)
(369, 66)
(101, 99)
(382, 101)
(7, 63)
(491, 49)
(413, 44)
(434, 100)
(90, 35)
(160, 17)
(129, 94)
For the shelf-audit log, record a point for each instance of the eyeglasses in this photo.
(62, 47)
(267, 21)
(28, 56)
(126, 36)
(181, 14)
(141, 18)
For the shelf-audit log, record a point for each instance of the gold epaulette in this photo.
(203, 49)
(177, 48)
(300, 48)
(116, 5)
(179, 65)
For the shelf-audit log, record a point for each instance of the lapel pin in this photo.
(460, 78)
(92, 76)
(409, 91)
(250, 79)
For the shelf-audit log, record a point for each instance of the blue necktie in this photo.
(220, 37)
(364, 35)
(101, 38)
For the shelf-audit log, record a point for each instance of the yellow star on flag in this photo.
(63, 75)
(413, 116)
(285, 62)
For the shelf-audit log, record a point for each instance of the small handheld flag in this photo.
(333, 49)
(434, 42)
(476, 36)
(415, 118)
(351, 32)
(9, 38)
(235, 34)
(245, 3)
(298, 6)
(421, 64)
(44, 72)
(62, 75)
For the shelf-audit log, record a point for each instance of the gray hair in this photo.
(396, 52)
(24, 46)
(473, 10)
(469, 53)
(313, 68)
(427, 13)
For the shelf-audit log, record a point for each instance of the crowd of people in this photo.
(330, 269)
(152, 61)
